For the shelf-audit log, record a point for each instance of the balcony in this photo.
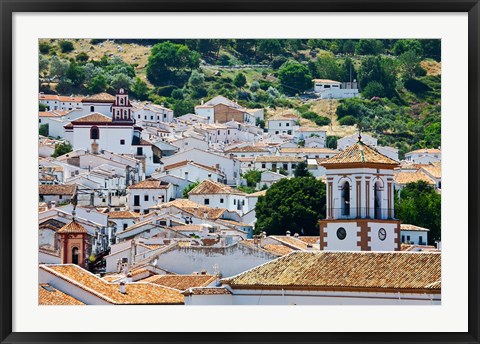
(361, 213)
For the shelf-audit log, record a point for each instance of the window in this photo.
(145, 198)
(60, 196)
(276, 132)
(326, 86)
(206, 201)
(221, 200)
(146, 211)
(151, 118)
(408, 238)
(264, 166)
(139, 151)
(92, 108)
(279, 124)
(218, 132)
(287, 124)
(124, 260)
(94, 133)
(122, 142)
(403, 238)
(39, 121)
(138, 116)
(234, 202)
(345, 202)
(136, 201)
(285, 166)
(75, 255)
(294, 166)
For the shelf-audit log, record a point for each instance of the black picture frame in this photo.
(9, 7)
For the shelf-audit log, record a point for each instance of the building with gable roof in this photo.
(360, 207)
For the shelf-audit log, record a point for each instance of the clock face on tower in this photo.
(382, 234)
(341, 233)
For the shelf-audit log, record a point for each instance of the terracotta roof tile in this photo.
(123, 215)
(434, 171)
(247, 149)
(102, 97)
(68, 190)
(425, 151)
(207, 291)
(361, 154)
(92, 118)
(412, 177)
(136, 292)
(306, 150)
(209, 187)
(279, 158)
(48, 295)
(407, 227)
(150, 184)
(181, 282)
(327, 270)
(72, 227)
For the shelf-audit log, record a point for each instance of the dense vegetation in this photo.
(294, 204)
(400, 103)
(419, 204)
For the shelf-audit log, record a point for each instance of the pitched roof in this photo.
(48, 295)
(327, 81)
(186, 162)
(247, 149)
(150, 184)
(123, 215)
(278, 158)
(407, 227)
(434, 170)
(425, 151)
(102, 97)
(359, 271)
(308, 150)
(181, 282)
(209, 187)
(412, 177)
(360, 154)
(136, 292)
(207, 291)
(94, 117)
(193, 208)
(57, 189)
(72, 227)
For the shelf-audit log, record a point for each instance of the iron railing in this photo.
(361, 213)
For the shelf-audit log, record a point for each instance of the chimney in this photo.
(129, 278)
(288, 233)
(201, 102)
(52, 204)
(203, 272)
(309, 247)
(122, 288)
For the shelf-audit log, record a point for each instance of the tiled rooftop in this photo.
(48, 295)
(150, 184)
(68, 190)
(360, 153)
(209, 187)
(102, 97)
(123, 215)
(93, 118)
(328, 270)
(181, 282)
(412, 177)
(136, 293)
(72, 227)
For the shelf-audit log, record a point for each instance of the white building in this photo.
(424, 156)
(360, 207)
(331, 89)
(146, 194)
(285, 124)
(415, 235)
(55, 102)
(304, 133)
(278, 163)
(217, 195)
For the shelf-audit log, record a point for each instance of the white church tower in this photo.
(360, 212)
(122, 109)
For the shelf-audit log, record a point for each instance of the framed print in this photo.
(227, 172)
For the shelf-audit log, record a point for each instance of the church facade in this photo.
(96, 132)
(360, 202)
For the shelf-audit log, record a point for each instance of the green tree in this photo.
(373, 89)
(252, 177)
(295, 77)
(240, 80)
(189, 188)
(75, 74)
(44, 47)
(332, 142)
(348, 120)
(369, 47)
(294, 204)
(404, 45)
(301, 170)
(182, 107)
(97, 84)
(409, 64)
(43, 130)
(61, 149)
(42, 107)
(58, 67)
(270, 47)
(82, 57)
(419, 204)
(65, 46)
(121, 81)
(167, 61)
(139, 89)
(381, 70)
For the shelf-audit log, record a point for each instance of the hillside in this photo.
(399, 80)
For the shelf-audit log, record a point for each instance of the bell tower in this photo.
(360, 212)
(73, 242)
(122, 109)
